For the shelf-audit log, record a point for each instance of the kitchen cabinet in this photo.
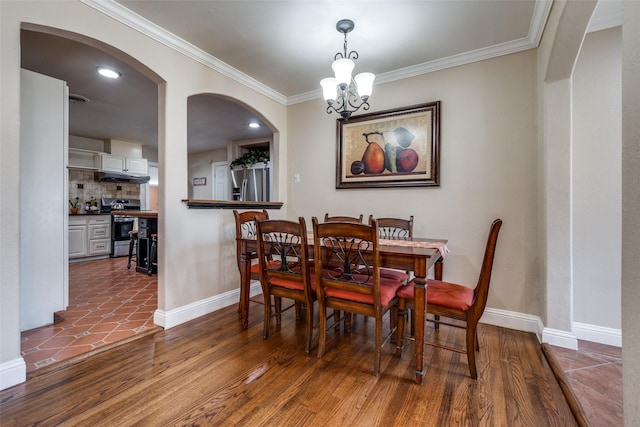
(89, 236)
(83, 159)
(121, 164)
(77, 238)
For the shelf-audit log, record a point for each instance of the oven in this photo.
(121, 225)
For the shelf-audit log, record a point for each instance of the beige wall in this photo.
(631, 211)
(488, 170)
(596, 180)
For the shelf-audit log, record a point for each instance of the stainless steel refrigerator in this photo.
(251, 184)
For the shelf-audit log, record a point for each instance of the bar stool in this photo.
(152, 255)
(133, 243)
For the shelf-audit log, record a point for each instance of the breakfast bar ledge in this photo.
(230, 204)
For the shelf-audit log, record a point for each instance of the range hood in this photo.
(120, 177)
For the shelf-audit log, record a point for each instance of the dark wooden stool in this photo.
(153, 253)
(133, 242)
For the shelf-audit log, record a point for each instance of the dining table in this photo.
(415, 254)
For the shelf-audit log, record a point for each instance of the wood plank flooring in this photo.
(211, 372)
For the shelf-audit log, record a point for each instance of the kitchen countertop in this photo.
(139, 214)
(88, 214)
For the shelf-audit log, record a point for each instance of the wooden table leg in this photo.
(245, 283)
(437, 269)
(420, 271)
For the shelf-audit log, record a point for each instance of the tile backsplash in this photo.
(97, 189)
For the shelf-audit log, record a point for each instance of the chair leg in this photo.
(400, 321)
(322, 338)
(393, 322)
(378, 351)
(307, 347)
(471, 354)
(298, 308)
(267, 315)
(278, 305)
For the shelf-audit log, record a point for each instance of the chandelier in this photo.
(345, 94)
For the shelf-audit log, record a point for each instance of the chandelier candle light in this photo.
(345, 94)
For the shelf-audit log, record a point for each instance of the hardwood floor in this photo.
(211, 372)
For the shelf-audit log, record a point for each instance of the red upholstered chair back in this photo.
(481, 291)
(285, 272)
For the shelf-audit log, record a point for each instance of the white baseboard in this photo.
(560, 338)
(171, 318)
(513, 320)
(12, 372)
(599, 334)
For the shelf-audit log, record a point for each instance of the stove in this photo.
(121, 225)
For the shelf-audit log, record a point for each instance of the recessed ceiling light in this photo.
(254, 125)
(108, 73)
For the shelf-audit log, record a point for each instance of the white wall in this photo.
(488, 170)
(597, 181)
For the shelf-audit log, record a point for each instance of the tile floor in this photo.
(594, 373)
(107, 303)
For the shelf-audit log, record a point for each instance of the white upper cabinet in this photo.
(121, 164)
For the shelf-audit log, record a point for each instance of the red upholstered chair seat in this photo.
(292, 284)
(272, 265)
(388, 289)
(443, 293)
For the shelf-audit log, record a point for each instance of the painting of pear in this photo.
(373, 159)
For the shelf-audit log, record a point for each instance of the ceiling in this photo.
(281, 49)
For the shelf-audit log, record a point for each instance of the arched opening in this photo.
(229, 146)
(106, 120)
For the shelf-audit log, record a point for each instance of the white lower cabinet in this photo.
(77, 240)
(89, 236)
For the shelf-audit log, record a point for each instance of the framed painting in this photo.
(199, 181)
(393, 148)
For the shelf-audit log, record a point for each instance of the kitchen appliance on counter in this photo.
(121, 225)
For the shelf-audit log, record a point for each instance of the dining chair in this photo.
(338, 218)
(455, 301)
(394, 228)
(285, 271)
(246, 227)
(347, 268)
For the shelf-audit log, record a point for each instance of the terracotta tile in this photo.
(72, 351)
(89, 339)
(119, 335)
(96, 290)
(57, 342)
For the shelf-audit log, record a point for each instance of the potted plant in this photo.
(250, 158)
(74, 205)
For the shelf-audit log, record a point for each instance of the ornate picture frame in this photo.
(406, 151)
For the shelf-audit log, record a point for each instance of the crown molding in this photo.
(605, 21)
(127, 17)
(146, 27)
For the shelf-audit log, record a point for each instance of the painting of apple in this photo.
(406, 159)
